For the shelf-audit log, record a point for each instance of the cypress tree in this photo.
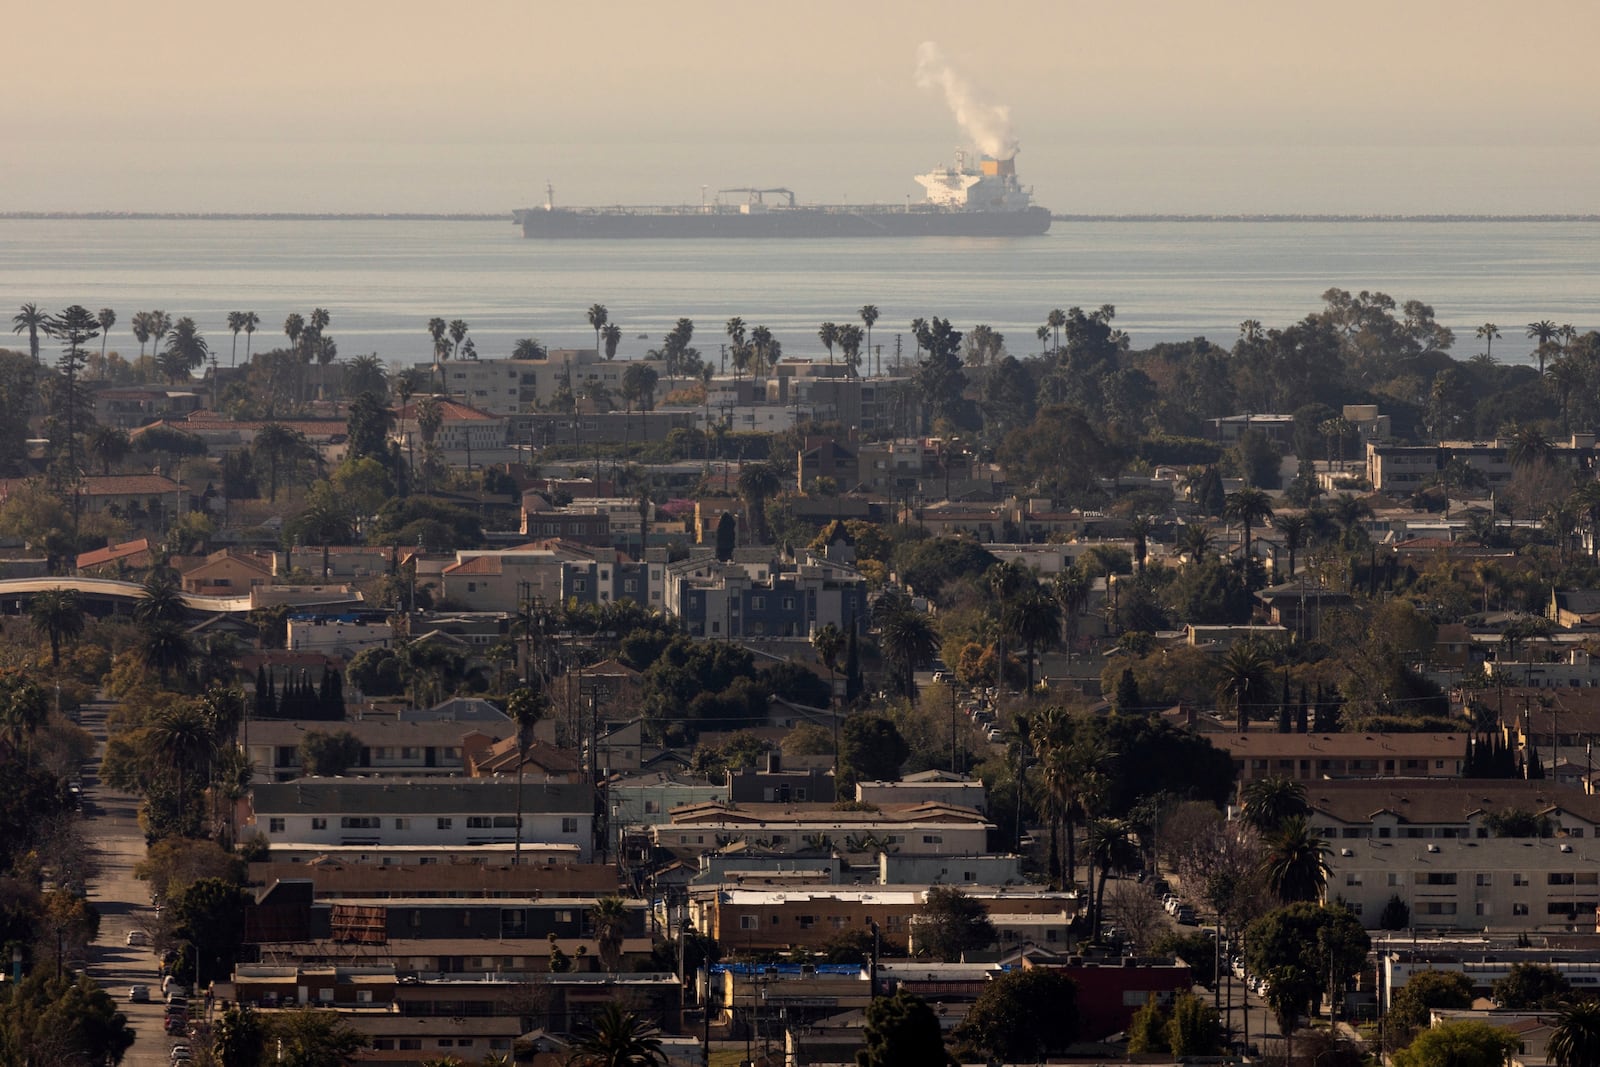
(853, 684)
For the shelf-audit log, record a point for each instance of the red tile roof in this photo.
(112, 553)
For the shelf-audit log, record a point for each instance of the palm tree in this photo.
(1247, 507)
(1544, 331)
(165, 649)
(610, 918)
(1295, 865)
(31, 319)
(828, 334)
(869, 315)
(236, 324)
(1195, 542)
(528, 348)
(829, 641)
(598, 317)
(611, 334)
(108, 444)
(908, 639)
(758, 482)
(294, 327)
(56, 614)
(1004, 581)
(1033, 618)
(850, 344)
(617, 1038)
(437, 330)
(1072, 588)
(1246, 680)
(23, 709)
(458, 334)
(1576, 1039)
(1294, 529)
(526, 706)
(1271, 802)
(184, 736)
(1528, 446)
(141, 329)
(1111, 849)
(160, 599)
(107, 318)
(185, 351)
(1490, 334)
(251, 321)
(1055, 320)
(159, 324)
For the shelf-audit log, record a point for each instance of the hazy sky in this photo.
(1120, 106)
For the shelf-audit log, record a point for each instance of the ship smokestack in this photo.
(989, 125)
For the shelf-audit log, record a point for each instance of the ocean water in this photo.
(382, 280)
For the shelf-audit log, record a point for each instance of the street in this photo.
(112, 828)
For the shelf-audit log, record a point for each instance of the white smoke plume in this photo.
(989, 125)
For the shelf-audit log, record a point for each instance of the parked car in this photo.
(139, 994)
(1186, 916)
(182, 1052)
(137, 937)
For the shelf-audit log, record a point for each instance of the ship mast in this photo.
(549, 196)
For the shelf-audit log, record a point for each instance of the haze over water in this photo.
(1169, 281)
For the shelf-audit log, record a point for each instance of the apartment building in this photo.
(1265, 753)
(763, 599)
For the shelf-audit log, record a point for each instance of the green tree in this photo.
(186, 350)
(902, 1031)
(617, 1038)
(1459, 1043)
(758, 482)
(238, 1037)
(1299, 945)
(869, 317)
(940, 377)
(32, 321)
(1270, 802)
(1247, 507)
(62, 1019)
(1576, 1040)
(609, 916)
(323, 754)
(1194, 1029)
(870, 750)
(1033, 618)
(1528, 986)
(908, 640)
(306, 1037)
(1295, 865)
(1147, 1032)
(727, 536)
(56, 615)
(209, 914)
(1022, 1016)
(828, 334)
(598, 317)
(1426, 990)
(279, 447)
(951, 923)
(368, 425)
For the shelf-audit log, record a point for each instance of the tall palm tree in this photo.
(1034, 619)
(1246, 680)
(1195, 542)
(526, 706)
(159, 324)
(107, 318)
(108, 444)
(33, 320)
(528, 348)
(1544, 331)
(758, 482)
(1296, 862)
(185, 350)
(141, 329)
(165, 649)
(1111, 850)
(908, 639)
(294, 327)
(1247, 507)
(278, 444)
(1576, 1039)
(56, 614)
(1528, 445)
(609, 915)
(458, 334)
(160, 599)
(183, 735)
(251, 321)
(236, 324)
(598, 317)
(1271, 802)
(438, 330)
(828, 334)
(1055, 320)
(1293, 528)
(1004, 581)
(617, 1038)
(23, 709)
(734, 328)
(1072, 589)
(850, 344)
(611, 334)
(1490, 334)
(869, 315)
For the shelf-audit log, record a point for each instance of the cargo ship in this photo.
(964, 200)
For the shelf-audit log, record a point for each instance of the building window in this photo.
(319, 823)
(360, 822)
(749, 922)
(932, 839)
(402, 824)
(1394, 880)
(569, 824)
(1352, 879)
(444, 824)
(1519, 909)
(1560, 878)
(1437, 878)
(1519, 879)
(788, 603)
(580, 585)
(1485, 880)
(758, 603)
(274, 826)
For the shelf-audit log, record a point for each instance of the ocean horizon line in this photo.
(470, 216)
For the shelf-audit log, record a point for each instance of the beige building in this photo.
(1266, 753)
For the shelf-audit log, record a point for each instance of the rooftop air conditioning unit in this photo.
(1433, 848)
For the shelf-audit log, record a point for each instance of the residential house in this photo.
(341, 636)
(228, 572)
(935, 787)
(116, 560)
(383, 812)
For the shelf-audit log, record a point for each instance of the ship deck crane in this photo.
(756, 194)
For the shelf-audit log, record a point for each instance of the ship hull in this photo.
(580, 224)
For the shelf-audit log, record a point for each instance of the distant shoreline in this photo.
(414, 216)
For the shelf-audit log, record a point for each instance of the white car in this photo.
(181, 1052)
(139, 994)
(137, 937)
